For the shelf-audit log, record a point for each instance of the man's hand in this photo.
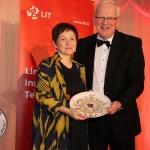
(115, 106)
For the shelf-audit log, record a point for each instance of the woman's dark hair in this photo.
(60, 28)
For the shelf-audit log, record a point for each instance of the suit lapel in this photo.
(90, 59)
(115, 52)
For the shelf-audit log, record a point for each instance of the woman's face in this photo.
(66, 43)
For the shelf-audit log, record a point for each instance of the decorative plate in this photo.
(92, 104)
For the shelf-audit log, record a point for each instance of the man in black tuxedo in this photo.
(116, 69)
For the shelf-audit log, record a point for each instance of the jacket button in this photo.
(106, 93)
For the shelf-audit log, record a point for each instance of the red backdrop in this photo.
(37, 17)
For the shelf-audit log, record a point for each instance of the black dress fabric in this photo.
(78, 139)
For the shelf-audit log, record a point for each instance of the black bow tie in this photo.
(100, 42)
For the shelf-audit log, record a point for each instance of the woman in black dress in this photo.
(56, 126)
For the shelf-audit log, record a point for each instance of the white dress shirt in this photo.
(100, 64)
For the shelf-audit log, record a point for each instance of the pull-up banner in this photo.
(37, 18)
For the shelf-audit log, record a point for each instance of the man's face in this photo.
(106, 20)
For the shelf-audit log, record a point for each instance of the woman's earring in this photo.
(75, 50)
(56, 49)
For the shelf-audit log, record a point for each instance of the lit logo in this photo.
(3, 123)
(34, 12)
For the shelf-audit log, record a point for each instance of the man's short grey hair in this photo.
(108, 2)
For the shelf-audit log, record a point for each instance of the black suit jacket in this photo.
(124, 79)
